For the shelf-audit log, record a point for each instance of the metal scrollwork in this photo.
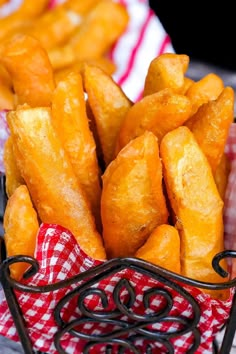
(124, 319)
(127, 327)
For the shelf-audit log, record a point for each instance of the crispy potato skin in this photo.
(103, 25)
(132, 202)
(99, 30)
(221, 175)
(188, 177)
(206, 89)
(162, 248)
(28, 64)
(166, 71)
(71, 123)
(50, 178)
(159, 113)
(12, 173)
(28, 11)
(210, 126)
(21, 226)
(109, 106)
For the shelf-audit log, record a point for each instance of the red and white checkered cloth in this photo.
(59, 255)
(60, 258)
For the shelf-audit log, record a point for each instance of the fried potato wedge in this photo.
(61, 56)
(187, 84)
(5, 77)
(54, 27)
(26, 12)
(109, 106)
(222, 175)
(7, 97)
(199, 220)
(29, 9)
(104, 63)
(160, 112)
(49, 176)
(206, 89)
(71, 123)
(210, 125)
(21, 226)
(81, 7)
(162, 248)
(13, 178)
(28, 64)
(103, 25)
(166, 71)
(133, 202)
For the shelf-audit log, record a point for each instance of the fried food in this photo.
(166, 71)
(81, 7)
(109, 106)
(103, 63)
(21, 226)
(133, 203)
(162, 248)
(7, 98)
(160, 112)
(71, 123)
(187, 84)
(13, 178)
(99, 30)
(27, 12)
(196, 205)
(50, 178)
(204, 90)
(222, 175)
(54, 27)
(30, 69)
(103, 25)
(210, 126)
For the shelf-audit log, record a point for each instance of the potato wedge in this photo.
(162, 248)
(54, 27)
(49, 176)
(187, 84)
(166, 71)
(62, 56)
(81, 7)
(103, 63)
(5, 77)
(210, 126)
(188, 177)
(222, 175)
(160, 112)
(109, 106)
(21, 226)
(204, 90)
(103, 25)
(31, 71)
(7, 97)
(72, 126)
(13, 178)
(133, 202)
(26, 12)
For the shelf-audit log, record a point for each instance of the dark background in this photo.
(204, 30)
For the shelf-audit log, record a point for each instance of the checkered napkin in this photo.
(59, 258)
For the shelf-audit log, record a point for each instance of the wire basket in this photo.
(127, 331)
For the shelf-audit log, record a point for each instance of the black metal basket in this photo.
(128, 332)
